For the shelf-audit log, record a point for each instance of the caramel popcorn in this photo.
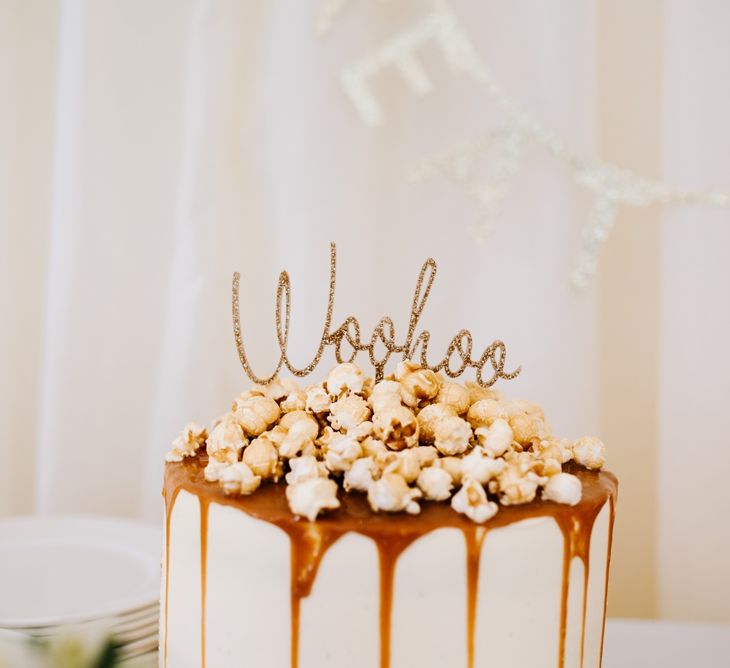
(471, 500)
(396, 427)
(347, 377)
(342, 451)
(563, 488)
(257, 414)
(228, 435)
(188, 443)
(348, 412)
(385, 394)
(239, 479)
(589, 451)
(304, 468)
(496, 439)
(360, 475)
(428, 416)
(452, 435)
(484, 412)
(406, 463)
(454, 395)
(435, 483)
(480, 468)
(411, 436)
(317, 401)
(416, 384)
(516, 485)
(310, 497)
(392, 494)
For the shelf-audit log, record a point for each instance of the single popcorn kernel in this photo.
(480, 468)
(452, 435)
(360, 476)
(385, 394)
(257, 414)
(228, 435)
(318, 401)
(517, 486)
(346, 377)
(188, 443)
(310, 497)
(239, 479)
(396, 427)
(428, 416)
(590, 452)
(477, 392)
(526, 428)
(563, 488)
(452, 465)
(304, 468)
(262, 458)
(417, 384)
(454, 395)
(495, 439)
(484, 412)
(348, 412)
(392, 494)
(471, 500)
(435, 483)
(342, 451)
(407, 464)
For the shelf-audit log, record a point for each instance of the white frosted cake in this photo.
(410, 522)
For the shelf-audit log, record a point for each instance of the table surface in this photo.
(633, 643)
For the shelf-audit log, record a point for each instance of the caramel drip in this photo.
(577, 528)
(204, 505)
(170, 495)
(388, 553)
(309, 543)
(392, 534)
(612, 516)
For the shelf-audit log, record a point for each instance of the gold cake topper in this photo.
(383, 334)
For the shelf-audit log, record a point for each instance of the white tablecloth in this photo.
(632, 643)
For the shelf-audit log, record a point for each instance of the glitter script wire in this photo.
(383, 334)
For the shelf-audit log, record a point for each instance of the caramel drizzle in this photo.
(170, 497)
(383, 335)
(311, 540)
(204, 506)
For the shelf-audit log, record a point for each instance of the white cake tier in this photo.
(227, 594)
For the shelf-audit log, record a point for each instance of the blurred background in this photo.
(150, 149)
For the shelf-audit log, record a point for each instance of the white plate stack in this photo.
(82, 576)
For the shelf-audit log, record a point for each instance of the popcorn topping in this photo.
(415, 435)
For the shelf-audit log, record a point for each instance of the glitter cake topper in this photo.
(383, 336)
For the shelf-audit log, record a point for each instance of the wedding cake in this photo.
(397, 521)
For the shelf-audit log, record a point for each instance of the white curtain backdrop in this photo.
(149, 149)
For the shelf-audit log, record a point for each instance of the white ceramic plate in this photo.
(68, 569)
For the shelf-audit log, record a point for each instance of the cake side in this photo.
(245, 575)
